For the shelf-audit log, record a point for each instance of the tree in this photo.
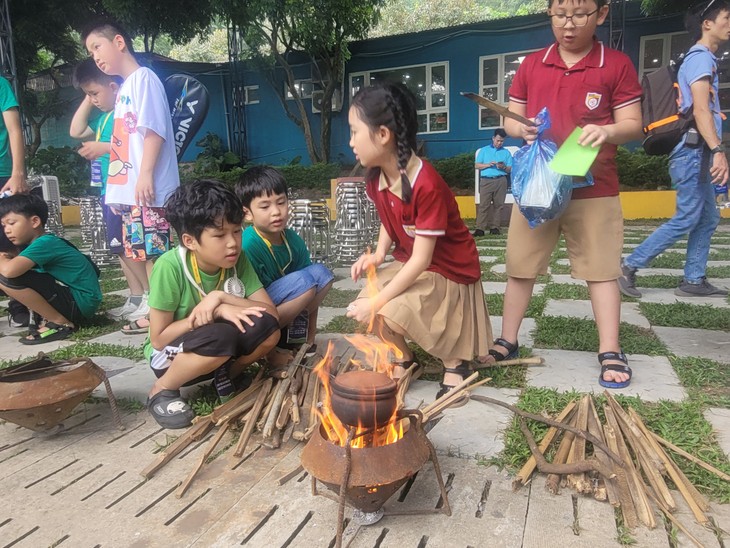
(150, 19)
(663, 7)
(211, 49)
(277, 31)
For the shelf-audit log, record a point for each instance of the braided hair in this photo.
(394, 107)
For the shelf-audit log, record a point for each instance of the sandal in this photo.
(134, 327)
(618, 367)
(463, 370)
(513, 350)
(170, 410)
(53, 332)
(408, 365)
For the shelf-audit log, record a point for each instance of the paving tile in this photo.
(483, 438)
(128, 379)
(348, 284)
(121, 339)
(524, 335)
(719, 418)
(566, 279)
(667, 296)
(564, 370)
(702, 343)
(582, 309)
(326, 314)
(499, 288)
(488, 258)
(11, 349)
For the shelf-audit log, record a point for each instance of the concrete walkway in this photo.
(82, 487)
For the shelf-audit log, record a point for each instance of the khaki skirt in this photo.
(448, 320)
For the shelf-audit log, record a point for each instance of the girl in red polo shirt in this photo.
(432, 292)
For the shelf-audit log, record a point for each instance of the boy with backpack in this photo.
(49, 276)
(695, 163)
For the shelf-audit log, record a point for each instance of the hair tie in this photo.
(402, 171)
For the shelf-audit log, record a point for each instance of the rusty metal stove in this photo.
(364, 478)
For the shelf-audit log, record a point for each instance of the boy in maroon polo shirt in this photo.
(583, 83)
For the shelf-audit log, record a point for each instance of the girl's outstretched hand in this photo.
(363, 263)
(360, 310)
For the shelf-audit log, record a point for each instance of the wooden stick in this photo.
(552, 483)
(695, 500)
(628, 508)
(234, 412)
(222, 409)
(505, 363)
(578, 449)
(609, 485)
(439, 404)
(635, 432)
(284, 413)
(476, 385)
(529, 467)
(201, 461)
(251, 422)
(286, 435)
(306, 405)
(194, 433)
(267, 409)
(635, 485)
(289, 475)
(675, 521)
(690, 457)
(305, 386)
(281, 390)
(550, 422)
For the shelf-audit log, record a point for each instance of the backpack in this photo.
(664, 125)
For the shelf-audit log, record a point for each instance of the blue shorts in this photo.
(114, 232)
(293, 285)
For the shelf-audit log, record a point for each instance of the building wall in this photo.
(272, 138)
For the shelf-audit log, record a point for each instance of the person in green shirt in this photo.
(210, 317)
(281, 259)
(93, 123)
(49, 276)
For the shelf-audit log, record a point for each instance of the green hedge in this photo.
(457, 171)
(299, 178)
(641, 171)
(72, 170)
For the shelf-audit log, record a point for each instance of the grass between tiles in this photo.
(687, 315)
(705, 380)
(681, 423)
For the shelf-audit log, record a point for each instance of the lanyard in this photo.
(100, 129)
(271, 250)
(199, 282)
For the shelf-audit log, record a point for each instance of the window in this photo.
(656, 50)
(304, 89)
(251, 95)
(495, 77)
(429, 84)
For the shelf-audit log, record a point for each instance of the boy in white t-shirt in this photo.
(143, 163)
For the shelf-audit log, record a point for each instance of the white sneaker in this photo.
(142, 310)
(121, 311)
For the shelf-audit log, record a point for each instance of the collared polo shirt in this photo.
(489, 154)
(431, 212)
(587, 93)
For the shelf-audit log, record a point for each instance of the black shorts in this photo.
(57, 295)
(220, 338)
(114, 233)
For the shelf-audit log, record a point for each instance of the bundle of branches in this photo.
(627, 467)
(280, 408)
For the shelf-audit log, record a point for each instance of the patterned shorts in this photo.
(146, 233)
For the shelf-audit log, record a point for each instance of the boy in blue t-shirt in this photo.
(95, 130)
(49, 276)
(281, 259)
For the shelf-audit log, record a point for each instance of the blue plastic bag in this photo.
(540, 193)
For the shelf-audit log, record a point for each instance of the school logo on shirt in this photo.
(593, 99)
(410, 230)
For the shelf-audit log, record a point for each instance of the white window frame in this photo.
(290, 97)
(246, 100)
(502, 97)
(666, 55)
(429, 109)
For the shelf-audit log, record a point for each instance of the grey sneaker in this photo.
(702, 289)
(627, 281)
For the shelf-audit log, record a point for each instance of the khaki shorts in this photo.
(594, 236)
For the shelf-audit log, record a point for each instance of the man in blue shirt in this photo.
(695, 163)
(494, 163)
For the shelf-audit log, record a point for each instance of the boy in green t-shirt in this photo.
(87, 123)
(281, 258)
(209, 314)
(49, 276)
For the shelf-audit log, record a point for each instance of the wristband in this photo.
(718, 148)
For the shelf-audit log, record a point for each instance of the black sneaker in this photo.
(18, 314)
(477, 233)
(495, 231)
(702, 289)
(627, 281)
(170, 410)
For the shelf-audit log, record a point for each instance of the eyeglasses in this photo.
(579, 19)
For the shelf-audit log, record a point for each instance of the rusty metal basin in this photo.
(376, 472)
(38, 395)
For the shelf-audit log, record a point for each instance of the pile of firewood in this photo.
(280, 407)
(628, 465)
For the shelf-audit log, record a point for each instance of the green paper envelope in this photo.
(572, 158)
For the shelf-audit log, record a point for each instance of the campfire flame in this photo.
(377, 357)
